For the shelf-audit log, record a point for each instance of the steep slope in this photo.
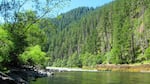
(114, 33)
(64, 19)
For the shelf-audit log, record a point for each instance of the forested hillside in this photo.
(63, 20)
(116, 33)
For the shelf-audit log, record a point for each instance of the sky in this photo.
(79, 3)
(71, 5)
(74, 4)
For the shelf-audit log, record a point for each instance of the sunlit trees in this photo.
(6, 45)
(33, 55)
(22, 31)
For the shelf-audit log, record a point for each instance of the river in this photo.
(95, 78)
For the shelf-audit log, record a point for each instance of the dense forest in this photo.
(115, 33)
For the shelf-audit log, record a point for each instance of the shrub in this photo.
(147, 53)
(33, 55)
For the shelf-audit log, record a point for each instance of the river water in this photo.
(95, 78)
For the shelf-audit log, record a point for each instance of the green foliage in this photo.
(107, 58)
(89, 59)
(33, 55)
(147, 53)
(64, 63)
(35, 35)
(22, 36)
(6, 45)
(57, 63)
(116, 33)
(63, 20)
(74, 61)
(114, 55)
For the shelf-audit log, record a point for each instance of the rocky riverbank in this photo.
(124, 67)
(106, 67)
(23, 75)
(62, 69)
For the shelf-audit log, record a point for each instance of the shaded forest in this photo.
(115, 33)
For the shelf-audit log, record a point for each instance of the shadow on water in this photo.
(95, 78)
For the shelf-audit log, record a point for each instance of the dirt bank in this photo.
(124, 67)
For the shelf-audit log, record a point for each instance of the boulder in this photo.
(5, 79)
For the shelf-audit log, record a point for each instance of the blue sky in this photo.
(74, 4)
(71, 5)
(89, 3)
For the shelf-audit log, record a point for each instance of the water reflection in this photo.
(95, 78)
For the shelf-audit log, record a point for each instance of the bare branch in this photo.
(48, 11)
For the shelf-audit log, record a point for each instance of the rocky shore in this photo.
(61, 69)
(23, 75)
(26, 74)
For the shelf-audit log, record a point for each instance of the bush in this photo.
(74, 61)
(107, 58)
(57, 63)
(147, 53)
(6, 46)
(64, 62)
(88, 59)
(114, 56)
(33, 55)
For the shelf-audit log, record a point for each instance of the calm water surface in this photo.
(95, 78)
